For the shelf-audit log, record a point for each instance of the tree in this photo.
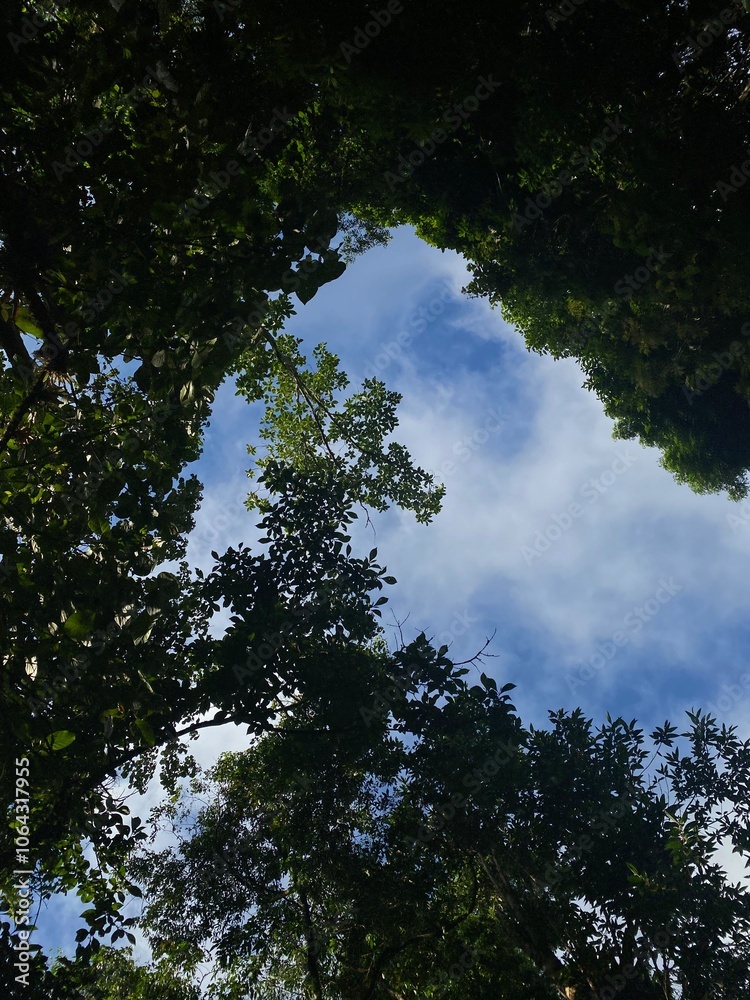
(173, 172)
(438, 848)
(112, 974)
(588, 163)
(134, 275)
(600, 198)
(301, 874)
(592, 168)
(308, 426)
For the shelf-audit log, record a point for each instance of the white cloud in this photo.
(508, 483)
(634, 527)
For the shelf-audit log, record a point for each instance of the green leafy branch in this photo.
(308, 425)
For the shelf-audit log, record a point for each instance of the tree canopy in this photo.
(177, 177)
(453, 852)
(590, 163)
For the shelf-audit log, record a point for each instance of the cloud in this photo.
(507, 489)
(517, 441)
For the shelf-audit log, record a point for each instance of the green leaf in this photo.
(146, 731)
(80, 624)
(24, 320)
(307, 291)
(59, 740)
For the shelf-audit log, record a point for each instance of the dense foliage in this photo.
(451, 852)
(174, 173)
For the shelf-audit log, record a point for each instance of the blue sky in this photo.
(552, 533)
(607, 584)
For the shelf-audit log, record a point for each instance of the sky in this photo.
(606, 584)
